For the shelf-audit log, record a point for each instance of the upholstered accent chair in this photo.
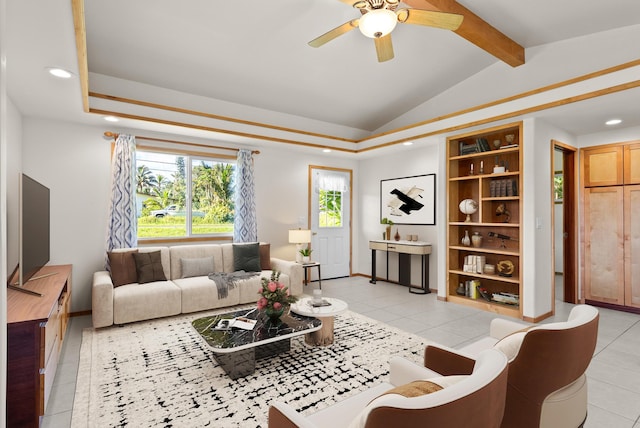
(471, 401)
(547, 385)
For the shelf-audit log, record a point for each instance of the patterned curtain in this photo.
(121, 230)
(245, 226)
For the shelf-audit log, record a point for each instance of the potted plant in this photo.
(274, 296)
(306, 253)
(388, 223)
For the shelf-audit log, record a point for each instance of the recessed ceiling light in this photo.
(60, 72)
(326, 150)
(111, 119)
(407, 143)
(613, 122)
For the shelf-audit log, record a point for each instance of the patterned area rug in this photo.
(161, 374)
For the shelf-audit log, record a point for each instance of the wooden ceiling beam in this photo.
(477, 31)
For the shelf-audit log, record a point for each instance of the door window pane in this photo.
(330, 208)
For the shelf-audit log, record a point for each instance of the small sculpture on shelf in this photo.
(501, 210)
(502, 238)
(468, 207)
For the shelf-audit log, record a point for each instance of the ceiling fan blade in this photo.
(384, 48)
(430, 18)
(332, 34)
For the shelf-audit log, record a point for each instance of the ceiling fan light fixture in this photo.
(378, 23)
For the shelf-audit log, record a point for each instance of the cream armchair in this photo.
(470, 401)
(547, 385)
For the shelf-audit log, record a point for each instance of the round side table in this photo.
(324, 336)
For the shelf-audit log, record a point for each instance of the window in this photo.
(181, 196)
(331, 188)
(558, 186)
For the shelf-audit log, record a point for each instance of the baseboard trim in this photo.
(612, 306)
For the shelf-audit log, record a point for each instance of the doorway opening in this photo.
(565, 221)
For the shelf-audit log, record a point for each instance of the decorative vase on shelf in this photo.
(466, 241)
(388, 233)
(461, 291)
(476, 240)
(397, 235)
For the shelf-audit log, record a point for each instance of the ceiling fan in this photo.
(379, 18)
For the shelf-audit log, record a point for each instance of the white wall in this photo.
(424, 157)
(13, 170)
(3, 211)
(281, 178)
(613, 136)
(74, 162)
(538, 278)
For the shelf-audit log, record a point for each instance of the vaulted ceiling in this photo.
(239, 71)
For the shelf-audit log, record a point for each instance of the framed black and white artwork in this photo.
(409, 200)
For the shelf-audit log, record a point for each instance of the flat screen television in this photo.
(34, 228)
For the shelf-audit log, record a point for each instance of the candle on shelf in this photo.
(481, 167)
(471, 170)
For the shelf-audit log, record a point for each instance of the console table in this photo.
(36, 327)
(405, 250)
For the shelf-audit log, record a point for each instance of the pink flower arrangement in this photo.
(274, 294)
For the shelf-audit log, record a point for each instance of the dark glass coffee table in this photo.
(237, 350)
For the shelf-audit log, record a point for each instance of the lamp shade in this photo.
(299, 236)
(377, 23)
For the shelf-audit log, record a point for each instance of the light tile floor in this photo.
(614, 373)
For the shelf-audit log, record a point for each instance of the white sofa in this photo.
(136, 302)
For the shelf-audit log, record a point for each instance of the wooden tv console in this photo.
(35, 331)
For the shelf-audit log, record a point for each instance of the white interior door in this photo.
(331, 221)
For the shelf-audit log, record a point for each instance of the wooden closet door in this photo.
(604, 244)
(632, 164)
(603, 166)
(632, 245)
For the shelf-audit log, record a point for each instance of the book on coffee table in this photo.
(320, 304)
(244, 323)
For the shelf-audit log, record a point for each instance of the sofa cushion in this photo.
(199, 293)
(265, 256)
(123, 267)
(197, 267)
(149, 267)
(136, 302)
(246, 257)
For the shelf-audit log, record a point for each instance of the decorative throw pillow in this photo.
(413, 389)
(196, 267)
(123, 267)
(149, 267)
(246, 257)
(265, 256)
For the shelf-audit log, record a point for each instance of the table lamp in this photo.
(299, 237)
